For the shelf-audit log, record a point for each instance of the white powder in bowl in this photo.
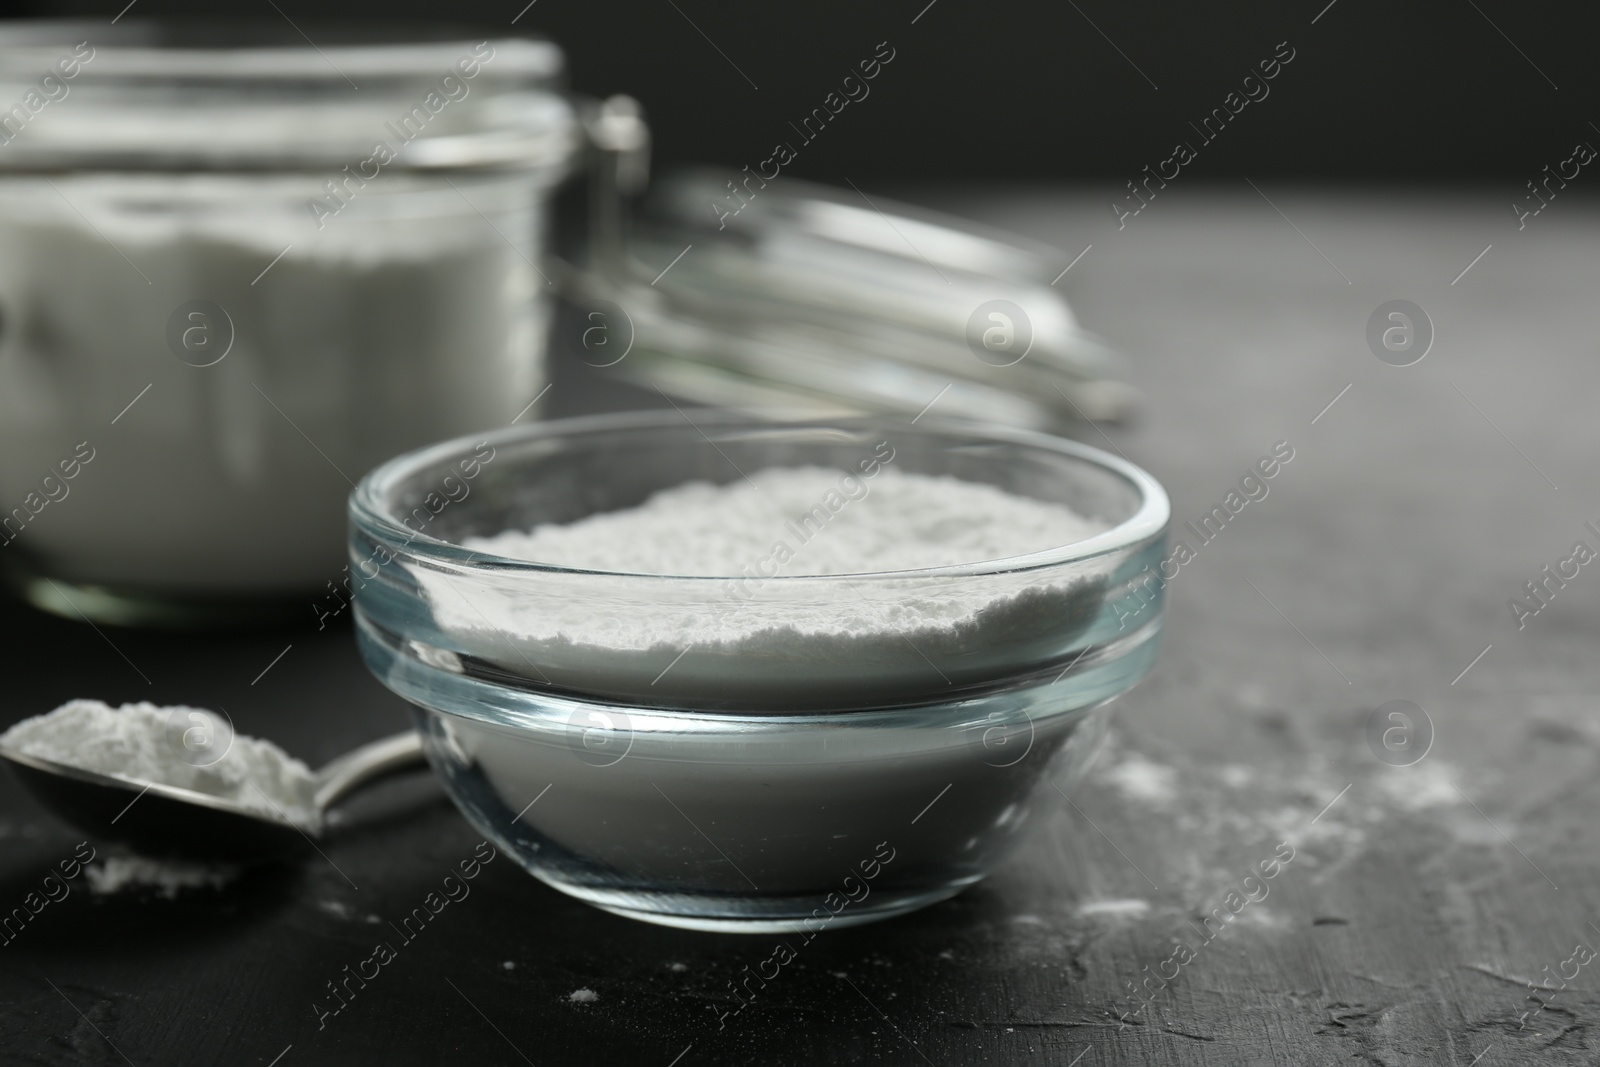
(899, 521)
(175, 746)
(769, 643)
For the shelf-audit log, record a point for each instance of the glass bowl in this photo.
(748, 771)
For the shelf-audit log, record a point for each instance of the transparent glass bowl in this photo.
(745, 774)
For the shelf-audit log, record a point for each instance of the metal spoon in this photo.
(164, 820)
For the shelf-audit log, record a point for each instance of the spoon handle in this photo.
(362, 765)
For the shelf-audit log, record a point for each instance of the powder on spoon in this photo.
(175, 746)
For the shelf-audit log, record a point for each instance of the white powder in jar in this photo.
(143, 743)
(877, 634)
(407, 319)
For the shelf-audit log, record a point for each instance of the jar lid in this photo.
(168, 96)
(777, 295)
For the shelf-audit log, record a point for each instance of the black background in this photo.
(1448, 90)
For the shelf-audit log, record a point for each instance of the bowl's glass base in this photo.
(713, 915)
(790, 826)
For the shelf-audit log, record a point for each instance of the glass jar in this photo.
(238, 270)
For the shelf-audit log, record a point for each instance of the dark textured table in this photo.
(1412, 908)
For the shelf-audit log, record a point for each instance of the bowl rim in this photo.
(1148, 521)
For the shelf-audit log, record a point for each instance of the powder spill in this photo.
(340, 910)
(1138, 778)
(1114, 909)
(582, 996)
(1235, 776)
(1421, 786)
(189, 748)
(1263, 918)
(167, 878)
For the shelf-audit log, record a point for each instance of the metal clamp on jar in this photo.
(784, 296)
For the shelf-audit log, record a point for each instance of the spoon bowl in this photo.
(169, 821)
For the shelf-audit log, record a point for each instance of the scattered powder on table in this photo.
(582, 996)
(1138, 778)
(1421, 786)
(340, 910)
(143, 743)
(1131, 908)
(1237, 776)
(168, 878)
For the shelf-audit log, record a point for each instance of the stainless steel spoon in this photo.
(164, 820)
